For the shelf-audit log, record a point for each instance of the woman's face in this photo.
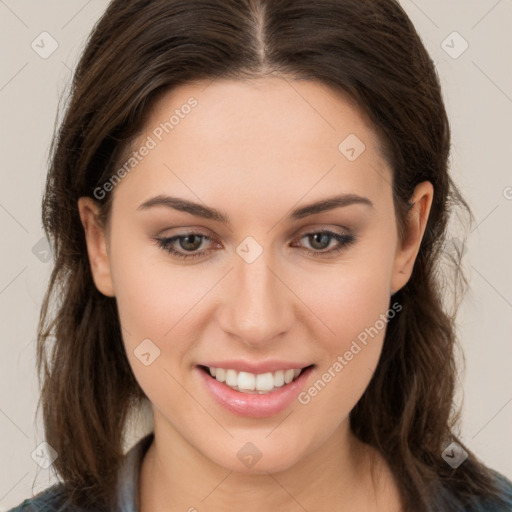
(256, 171)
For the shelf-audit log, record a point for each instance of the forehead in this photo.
(275, 110)
(267, 139)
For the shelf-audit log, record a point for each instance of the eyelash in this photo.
(167, 244)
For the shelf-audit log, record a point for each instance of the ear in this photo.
(416, 222)
(97, 246)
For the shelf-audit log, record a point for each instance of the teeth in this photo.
(288, 376)
(279, 378)
(247, 382)
(231, 378)
(264, 382)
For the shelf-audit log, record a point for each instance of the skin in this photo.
(256, 149)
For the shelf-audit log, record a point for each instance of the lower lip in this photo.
(254, 405)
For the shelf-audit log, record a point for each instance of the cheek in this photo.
(155, 298)
(158, 306)
(362, 303)
(355, 306)
(353, 298)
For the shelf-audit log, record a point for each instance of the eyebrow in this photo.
(199, 210)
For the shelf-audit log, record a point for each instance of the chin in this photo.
(249, 455)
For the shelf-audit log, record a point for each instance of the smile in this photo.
(246, 382)
(256, 394)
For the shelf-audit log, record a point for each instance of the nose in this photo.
(258, 306)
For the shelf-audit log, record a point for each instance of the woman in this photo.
(248, 202)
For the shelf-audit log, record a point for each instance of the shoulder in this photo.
(502, 503)
(49, 500)
(54, 499)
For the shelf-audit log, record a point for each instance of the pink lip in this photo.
(256, 368)
(253, 405)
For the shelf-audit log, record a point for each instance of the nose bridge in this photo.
(256, 310)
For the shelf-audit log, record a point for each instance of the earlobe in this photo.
(408, 247)
(95, 237)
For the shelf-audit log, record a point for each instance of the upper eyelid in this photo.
(301, 232)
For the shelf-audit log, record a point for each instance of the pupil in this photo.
(187, 242)
(318, 237)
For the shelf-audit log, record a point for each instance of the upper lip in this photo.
(254, 367)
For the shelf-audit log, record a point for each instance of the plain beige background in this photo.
(477, 85)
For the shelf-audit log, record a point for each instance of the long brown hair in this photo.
(141, 49)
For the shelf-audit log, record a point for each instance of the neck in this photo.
(342, 474)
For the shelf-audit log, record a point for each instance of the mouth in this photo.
(252, 383)
(254, 395)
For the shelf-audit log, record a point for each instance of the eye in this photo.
(319, 240)
(187, 241)
(191, 243)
